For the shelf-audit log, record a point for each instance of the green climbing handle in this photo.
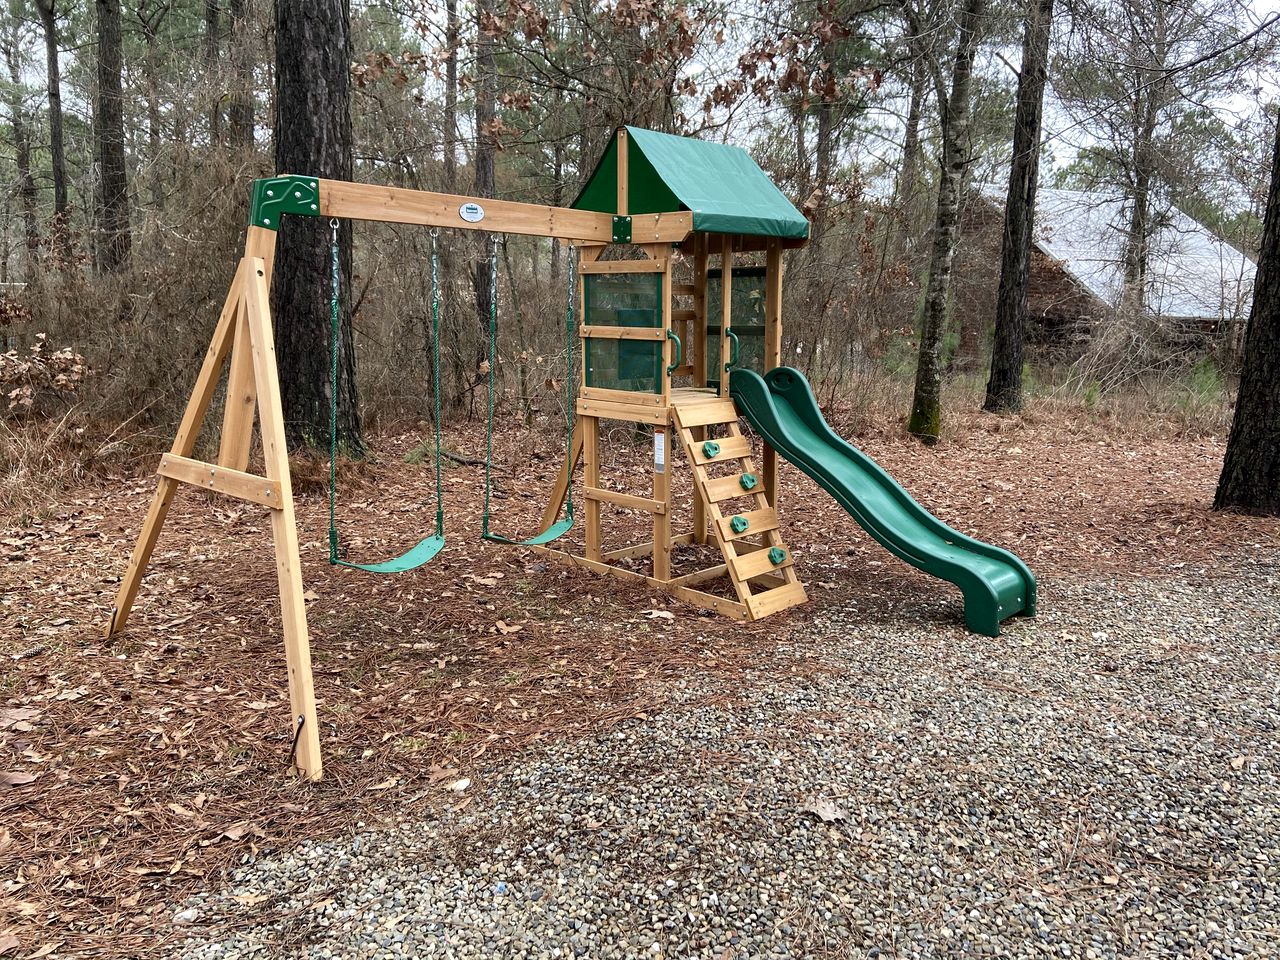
(734, 347)
(676, 363)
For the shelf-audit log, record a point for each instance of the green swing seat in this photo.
(426, 549)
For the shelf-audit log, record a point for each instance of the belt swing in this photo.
(564, 525)
(427, 548)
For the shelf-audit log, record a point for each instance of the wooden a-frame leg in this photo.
(284, 528)
(561, 489)
(242, 396)
(184, 442)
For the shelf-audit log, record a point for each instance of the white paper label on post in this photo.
(471, 212)
(659, 451)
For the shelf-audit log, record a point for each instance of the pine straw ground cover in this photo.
(135, 771)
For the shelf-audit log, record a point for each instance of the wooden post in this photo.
(662, 447)
(237, 417)
(726, 311)
(183, 443)
(699, 355)
(772, 350)
(591, 478)
(284, 528)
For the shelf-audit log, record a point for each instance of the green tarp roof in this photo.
(722, 185)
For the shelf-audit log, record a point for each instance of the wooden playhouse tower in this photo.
(657, 352)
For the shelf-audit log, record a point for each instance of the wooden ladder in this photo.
(756, 560)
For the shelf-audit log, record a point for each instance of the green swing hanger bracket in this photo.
(621, 229)
(272, 197)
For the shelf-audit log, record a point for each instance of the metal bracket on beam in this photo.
(274, 196)
(621, 229)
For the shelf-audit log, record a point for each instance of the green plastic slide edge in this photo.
(272, 197)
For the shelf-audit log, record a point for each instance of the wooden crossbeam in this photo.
(232, 483)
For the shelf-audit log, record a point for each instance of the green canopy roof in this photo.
(722, 185)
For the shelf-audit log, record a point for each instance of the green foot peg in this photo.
(748, 481)
(739, 524)
(777, 555)
(711, 449)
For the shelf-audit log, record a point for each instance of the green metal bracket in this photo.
(621, 229)
(748, 481)
(711, 449)
(274, 196)
(734, 348)
(739, 524)
(777, 555)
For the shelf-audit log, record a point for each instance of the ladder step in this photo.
(758, 562)
(758, 521)
(731, 448)
(698, 414)
(726, 488)
(779, 598)
(683, 290)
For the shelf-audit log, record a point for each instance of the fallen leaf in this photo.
(1237, 763)
(824, 809)
(15, 778)
(8, 941)
(310, 595)
(659, 614)
(251, 899)
(459, 786)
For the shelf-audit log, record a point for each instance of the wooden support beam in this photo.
(625, 500)
(726, 311)
(184, 442)
(242, 392)
(772, 350)
(284, 530)
(592, 331)
(619, 411)
(590, 479)
(561, 488)
(364, 201)
(624, 266)
(624, 175)
(232, 483)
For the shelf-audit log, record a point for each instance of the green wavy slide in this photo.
(780, 406)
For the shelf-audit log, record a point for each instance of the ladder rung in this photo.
(705, 414)
(758, 521)
(683, 290)
(726, 488)
(779, 598)
(731, 448)
(754, 564)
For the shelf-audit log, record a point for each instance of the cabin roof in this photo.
(1191, 273)
(724, 188)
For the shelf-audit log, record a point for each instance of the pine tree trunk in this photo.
(22, 158)
(1250, 480)
(1004, 387)
(212, 38)
(240, 110)
(926, 405)
(313, 136)
(57, 155)
(114, 239)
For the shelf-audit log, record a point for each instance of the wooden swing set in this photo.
(709, 200)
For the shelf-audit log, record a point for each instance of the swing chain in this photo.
(335, 551)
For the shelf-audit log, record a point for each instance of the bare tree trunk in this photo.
(212, 38)
(114, 240)
(57, 154)
(451, 98)
(22, 155)
(150, 23)
(240, 110)
(313, 136)
(485, 156)
(926, 405)
(1004, 387)
(1250, 480)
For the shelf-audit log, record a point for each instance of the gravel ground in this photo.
(1098, 782)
